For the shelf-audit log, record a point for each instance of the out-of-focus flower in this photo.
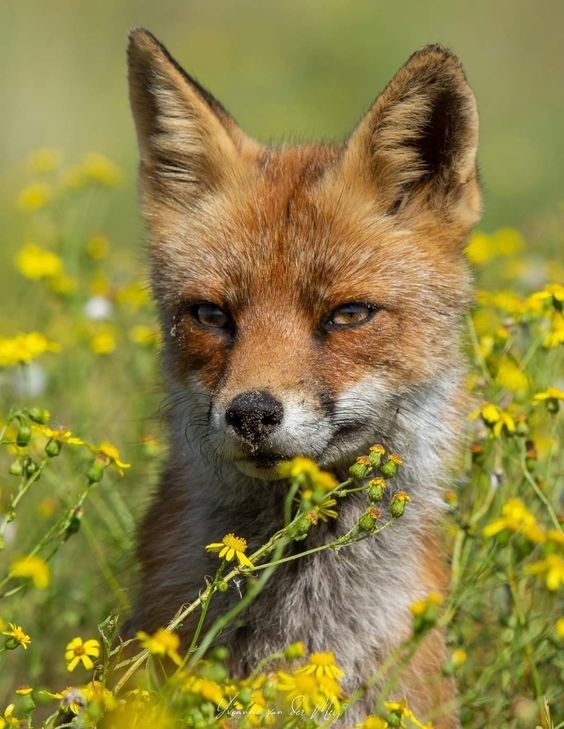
(36, 263)
(45, 160)
(98, 247)
(23, 348)
(34, 196)
(553, 569)
(103, 342)
(515, 517)
(33, 567)
(308, 473)
(98, 308)
(511, 377)
(162, 643)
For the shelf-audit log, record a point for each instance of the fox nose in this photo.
(255, 414)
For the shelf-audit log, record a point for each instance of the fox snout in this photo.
(252, 416)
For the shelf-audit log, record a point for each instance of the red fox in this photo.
(311, 299)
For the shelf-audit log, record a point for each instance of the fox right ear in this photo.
(187, 141)
(418, 141)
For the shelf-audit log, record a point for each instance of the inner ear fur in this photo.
(187, 141)
(418, 140)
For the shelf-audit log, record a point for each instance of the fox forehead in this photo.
(291, 230)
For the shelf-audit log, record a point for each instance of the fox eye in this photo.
(349, 315)
(210, 315)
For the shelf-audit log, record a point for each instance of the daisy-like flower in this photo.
(9, 719)
(34, 568)
(498, 420)
(231, 547)
(324, 510)
(109, 456)
(373, 722)
(515, 517)
(551, 397)
(59, 435)
(78, 651)
(16, 637)
(553, 569)
(308, 473)
(306, 692)
(322, 664)
(162, 643)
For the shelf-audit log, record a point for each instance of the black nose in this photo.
(254, 415)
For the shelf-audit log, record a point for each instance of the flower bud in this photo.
(295, 650)
(24, 435)
(95, 472)
(30, 467)
(390, 467)
(53, 448)
(16, 468)
(222, 586)
(367, 521)
(398, 502)
(39, 415)
(376, 488)
(245, 696)
(375, 454)
(220, 654)
(361, 469)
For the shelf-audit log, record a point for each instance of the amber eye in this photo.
(211, 316)
(349, 315)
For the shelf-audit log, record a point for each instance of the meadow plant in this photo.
(80, 346)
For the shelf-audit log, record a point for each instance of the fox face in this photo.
(309, 295)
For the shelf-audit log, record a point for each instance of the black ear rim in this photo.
(137, 33)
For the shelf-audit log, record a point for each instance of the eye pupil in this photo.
(210, 315)
(349, 315)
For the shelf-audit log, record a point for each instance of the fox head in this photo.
(309, 295)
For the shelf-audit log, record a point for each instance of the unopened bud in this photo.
(390, 467)
(53, 448)
(96, 472)
(39, 415)
(375, 454)
(398, 502)
(24, 435)
(361, 469)
(16, 468)
(376, 488)
(295, 650)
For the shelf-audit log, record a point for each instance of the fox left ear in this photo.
(418, 141)
(188, 142)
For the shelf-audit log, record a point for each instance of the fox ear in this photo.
(418, 141)
(187, 141)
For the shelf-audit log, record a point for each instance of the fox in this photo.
(311, 299)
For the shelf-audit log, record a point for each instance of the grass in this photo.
(75, 482)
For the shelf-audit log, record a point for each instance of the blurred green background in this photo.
(298, 69)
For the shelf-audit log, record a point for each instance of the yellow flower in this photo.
(34, 568)
(44, 160)
(515, 517)
(104, 342)
(34, 196)
(555, 336)
(308, 473)
(111, 456)
(400, 710)
(98, 247)
(373, 722)
(207, 689)
(78, 651)
(553, 293)
(420, 607)
(553, 566)
(459, 656)
(17, 636)
(232, 547)
(134, 295)
(144, 335)
(162, 643)
(324, 510)
(23, 348)
(550, 397)
(498, 420)
(36, 263)
(59, 435)
(511, 377)
(97, 168)
(9, 719)
(560, 628)
(322, 664)
(306, 692)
